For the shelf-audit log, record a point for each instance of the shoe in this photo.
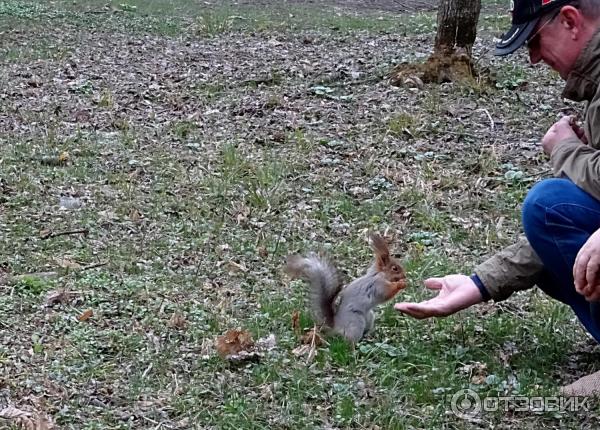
(587, 386)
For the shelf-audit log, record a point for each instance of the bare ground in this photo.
(182, 226)
(375, 5)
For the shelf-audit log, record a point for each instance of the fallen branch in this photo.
(489, 117)
(93, 266)
(47, 234)
(42, 275)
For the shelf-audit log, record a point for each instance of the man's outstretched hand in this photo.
(456, 292)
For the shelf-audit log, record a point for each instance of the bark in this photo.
(451, 60)
(457, 26)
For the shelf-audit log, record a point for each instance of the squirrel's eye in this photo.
(395, 268)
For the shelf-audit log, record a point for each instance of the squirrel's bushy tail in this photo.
(323, 280)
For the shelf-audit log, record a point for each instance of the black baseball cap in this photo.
(525, 15)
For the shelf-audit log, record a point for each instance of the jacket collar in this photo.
(583, 80)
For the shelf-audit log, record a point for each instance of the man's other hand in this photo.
(561, 130)
(578, 130)
(586, 270)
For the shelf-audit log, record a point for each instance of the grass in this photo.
(173, 17)
(194, 191)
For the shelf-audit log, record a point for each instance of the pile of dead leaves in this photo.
(237, 346)
(25, 419)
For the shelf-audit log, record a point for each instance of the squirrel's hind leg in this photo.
(369, 322)
(354, 331)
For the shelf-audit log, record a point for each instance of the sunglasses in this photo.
(531, 39)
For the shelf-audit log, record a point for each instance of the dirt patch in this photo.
(375, 5)
(438, 68)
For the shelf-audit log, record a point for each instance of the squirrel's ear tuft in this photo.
(381, 250)
(378, 243)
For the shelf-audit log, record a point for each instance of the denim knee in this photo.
(543, 195)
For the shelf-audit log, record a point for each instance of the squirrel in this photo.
(353, 317)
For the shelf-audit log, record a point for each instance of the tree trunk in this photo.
(451, 59)
(457, 26)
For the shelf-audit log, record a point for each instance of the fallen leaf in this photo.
(82, 116)
(67, 263)
(236, 267)
(135, 215)
(477, 372)
(296, 322)
(67, 202)
(309, 350)
(266, 343)
(233, 342)
(312, 337)
(20, 418)
(223, 249)
(301, 350)
(310, 340)
(26, 420)
(11, 412)
(86, 315)
(35, 81)
(4, 276)
(177, 321)
(478, 379)
(63, 158)
(413, 82)
(58, 296)
(244, 356)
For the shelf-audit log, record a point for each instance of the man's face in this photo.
(552, 43)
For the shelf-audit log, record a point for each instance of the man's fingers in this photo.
(586, 291)
(434, 283)
(579, 271)
(591, 271)
(415, 310)
(578, 130)
(595, 295)
(579, 267)
(566, 120)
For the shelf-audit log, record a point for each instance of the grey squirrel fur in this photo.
(353, 317)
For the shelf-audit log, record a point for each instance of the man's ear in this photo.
(572, 20)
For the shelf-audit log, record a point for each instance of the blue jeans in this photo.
(558, 218)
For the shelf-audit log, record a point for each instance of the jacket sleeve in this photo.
(515, 268)
(578, 162)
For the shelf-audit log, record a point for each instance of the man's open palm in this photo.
(456, 292)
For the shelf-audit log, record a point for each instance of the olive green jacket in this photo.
(518, 267)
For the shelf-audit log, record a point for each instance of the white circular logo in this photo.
(465, 404)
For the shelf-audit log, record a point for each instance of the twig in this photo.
(313, 346)
(461, 134)
(146, 371)
(50, 234)
(93, 266)
(490, 118)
